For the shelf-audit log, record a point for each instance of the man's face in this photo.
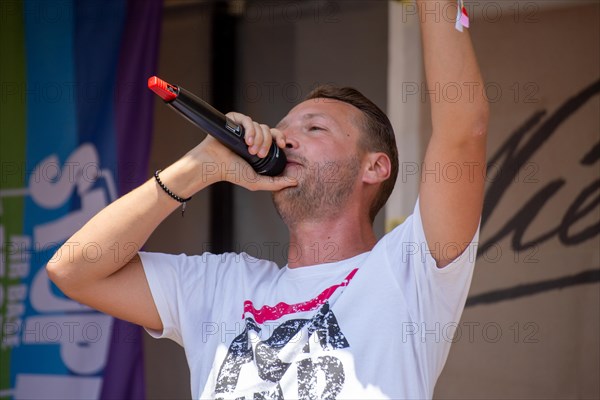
(322, 153)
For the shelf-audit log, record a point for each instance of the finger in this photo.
(247, 123)
(248, 178)
(267, 140)
(272, 184)
(258, 138)
(279, 137)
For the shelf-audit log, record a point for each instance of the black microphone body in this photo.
(219, 126)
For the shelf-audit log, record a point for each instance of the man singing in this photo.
(369, 324)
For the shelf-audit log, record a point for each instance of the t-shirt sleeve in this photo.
(435, 296)
(184, 290)
(192, 291)
(163, 273)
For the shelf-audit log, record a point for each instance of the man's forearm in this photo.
(451, 71)
(450, 208)
(116, 233)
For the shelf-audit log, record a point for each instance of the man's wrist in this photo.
(184, 177)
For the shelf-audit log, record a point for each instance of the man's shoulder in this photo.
(224, 261)
(235, 259)
(400, 227)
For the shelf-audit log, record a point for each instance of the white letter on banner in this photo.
(49, 194)
(83, 338)
(50, 187)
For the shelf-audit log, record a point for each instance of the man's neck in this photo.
(318, 242)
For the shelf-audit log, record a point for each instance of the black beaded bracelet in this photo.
(171, 194)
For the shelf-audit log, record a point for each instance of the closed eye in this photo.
(316, 128)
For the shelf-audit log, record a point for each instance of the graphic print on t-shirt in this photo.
(298, 352)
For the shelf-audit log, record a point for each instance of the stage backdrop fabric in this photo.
(530, 329)
(75, 129)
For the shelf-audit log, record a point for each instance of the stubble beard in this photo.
(322, 192)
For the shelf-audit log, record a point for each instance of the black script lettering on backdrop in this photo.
(513, 157)
(514, 154)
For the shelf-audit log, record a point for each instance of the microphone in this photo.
(230, 134)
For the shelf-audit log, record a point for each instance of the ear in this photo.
(377, 168)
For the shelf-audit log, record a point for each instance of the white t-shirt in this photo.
(377, 325)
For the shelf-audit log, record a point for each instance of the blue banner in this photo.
(75, 85)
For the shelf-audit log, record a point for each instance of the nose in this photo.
(291, 141)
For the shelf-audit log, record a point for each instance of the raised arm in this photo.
(112, 279)
(452, 177)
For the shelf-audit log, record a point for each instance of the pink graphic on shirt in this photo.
(269, 313)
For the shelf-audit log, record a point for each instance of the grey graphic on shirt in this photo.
(319, 377)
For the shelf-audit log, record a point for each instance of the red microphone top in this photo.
(165, 90)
